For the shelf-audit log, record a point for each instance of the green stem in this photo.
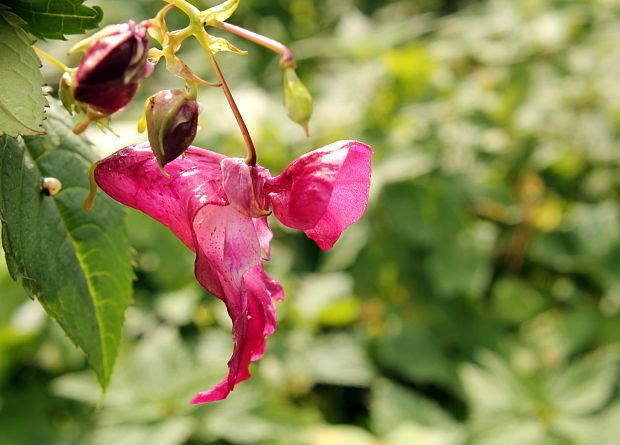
(57, 63)
(182, 34)
(196, 28)
(88, 203)
(186, 7)
(251, 151)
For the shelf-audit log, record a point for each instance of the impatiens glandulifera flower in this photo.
(171, 121)
(217, 205)
(114, 64)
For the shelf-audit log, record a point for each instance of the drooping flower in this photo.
(111, 70)
(217, 207)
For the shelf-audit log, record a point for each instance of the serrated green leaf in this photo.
(49, 19)
(76, 263)
(21, 98)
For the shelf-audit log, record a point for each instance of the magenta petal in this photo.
(229, 245)
(323, 191)
(265, 235)
(250, 328)
(132, 177)
(243, 185)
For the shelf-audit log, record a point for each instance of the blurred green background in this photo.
(477, 302)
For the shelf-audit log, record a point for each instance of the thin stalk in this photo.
(286, 54)
(182, 34)
(57, 63)
(251, 151)
(185, 6)
(88, 203)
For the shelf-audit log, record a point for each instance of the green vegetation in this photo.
(476, 303)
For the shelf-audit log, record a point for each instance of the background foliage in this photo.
(476, 303)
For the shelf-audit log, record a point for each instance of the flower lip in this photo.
(324, 191)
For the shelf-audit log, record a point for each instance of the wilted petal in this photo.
(250, 328)
(227, 247)
(265, 235)
(228, 244)
(323, 191)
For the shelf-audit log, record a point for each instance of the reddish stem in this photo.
(286, 60)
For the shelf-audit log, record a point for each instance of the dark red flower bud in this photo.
(112, 68)
(171, 121)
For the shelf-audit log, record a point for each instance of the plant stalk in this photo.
(286, 55)
(57, 63)
(251, 151)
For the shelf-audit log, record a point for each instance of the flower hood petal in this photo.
(324, 191)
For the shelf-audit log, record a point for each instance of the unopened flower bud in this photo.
(297, 98)
(112, 68)
(171, 121)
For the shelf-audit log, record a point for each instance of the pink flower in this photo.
(217, 207)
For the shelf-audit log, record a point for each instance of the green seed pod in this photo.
(297, 98)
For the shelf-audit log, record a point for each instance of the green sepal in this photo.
(220, 12)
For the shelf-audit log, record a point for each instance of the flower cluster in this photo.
(218, 206)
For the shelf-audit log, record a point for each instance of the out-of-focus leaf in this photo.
(169, 431)
(335, 435)
(76, 263)
(413, 66)
(461, 265)
(586, 385)
(392, 405)
(337, 360)
(494, 388)
(504, 429)
(412, 433)
(341, 312)
(179, 307)
(316, 293)
(416, 354)
(597, 227)
(167, 264)
(23, 422)
(21, 97)
(424, 213)
(601, 428)
(515, 301)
